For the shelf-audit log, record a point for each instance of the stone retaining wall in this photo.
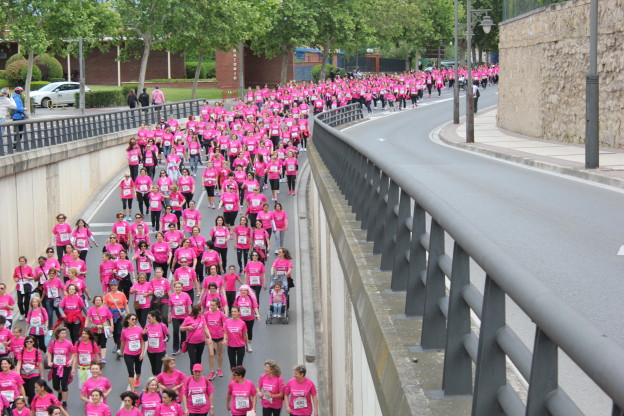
(544, 58)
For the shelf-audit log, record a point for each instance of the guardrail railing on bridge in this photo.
(382, 199)
(33, 134)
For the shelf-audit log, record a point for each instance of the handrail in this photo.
(19, 136)
(382, 198)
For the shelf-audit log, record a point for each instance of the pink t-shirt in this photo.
(99, 315)
(135, 411)
(197, 394)
(100, 410)
(30, 362)
(211, 257)
(230, 281)
(161, 251)
(62, 234)
(91, 384)
(217, 279)
(195, 335)
(156, 337)
(143, 183)
(179, 305)
(243, 239)
(300, 396)
(172, 410)
(187, 276)
(282, 266)
(141, 294)
(53, 288)
(281, 219)
(230, 201)
(133, 337)
(6, 306)
(149, 401)
(61, 352)
(192, 217)
(86, 352)
(246, 305)
(271, 385)
(24, 412)
(9, 384)
(215, 322)
(72, 304)
(235, 329)
(255, 270)
(186, 184)
(176, 378)
(160, 288)
(41, 404)
(126, 186)
(241, 396)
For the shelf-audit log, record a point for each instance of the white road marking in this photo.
(621, 251)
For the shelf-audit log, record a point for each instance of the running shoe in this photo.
(137, 382)
(211, 376)
(220, 373)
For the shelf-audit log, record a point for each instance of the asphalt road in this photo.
(565, 231)
(277, 341)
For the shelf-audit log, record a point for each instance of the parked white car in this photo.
(58, 92)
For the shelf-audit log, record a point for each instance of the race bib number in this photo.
(193, 151)
(190, 223)
(154, 204)
(175, 203)
(245, 311)
(273, 168)
(28, 369)
(134, 345)
(9, 395)
(250, 147)
(143, 188)
(84, 358)
(126, 192)
(148, 412)
(259, 243)
(122, 230)
(81, 242)
(300, 403)
(134, 158)
(290, 168)
(255, 203)
(198, 399)
(179, 310)
(220, 240)
(242, 402)
(141, 299)
(149, 160)
(159, 293)
(254, 280)
(242, 239)
(164, 188)
(36, 321)
(224, 147)
(186, 188)
(144, 265)
(229, 207)
(185, 280)
(4, 313)
(59, 360)
(153, 342)
(64, 237)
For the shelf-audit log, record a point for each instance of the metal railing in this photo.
(26, 135)
(343, 115)
(382, 198)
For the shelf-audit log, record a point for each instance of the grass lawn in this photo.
(172, 94)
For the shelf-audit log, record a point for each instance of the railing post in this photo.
(379, 193)
(434, 324)
(372, 181)
(457, 378)
(415, 299)
(490, 369)
(400, 267)
(361, 173)
(544, 374)
(387, 230)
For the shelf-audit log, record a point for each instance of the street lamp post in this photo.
(456, 83)
(592, 92)
(486, 24)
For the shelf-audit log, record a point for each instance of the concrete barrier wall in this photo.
(37, 185)
(370, 351)
(544, 58)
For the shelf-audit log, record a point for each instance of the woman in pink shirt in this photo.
(24, 278)
(30, 365)
(144, 259)
(177, 201)
(291, 166)
(87, 351)
(61, 358)
(210, 176)
(191, 217)
(133, 154)
(215, 320)
(37, 320)
(241, 395)
(71, 307)
(6, 304)
(143, 184)
(157, 337)
(220, 235)
(242, 235)
(300, 394)
(162, 252)
(180, 303)
(230, 203)
(280, 219)
(82, 238)
(61, 235)
(149, 398)
(156, 200)
(197, 393)
(44, 399)
(127, 195)
(186, 183)
(169, 407)
(96, 381)
(248, 307)
(97, 407)
(255, 274)
(100, 320)
(142, 291)
(235, 337)
(52, 291)
(170, 378)
(169, 218)
(11, 384)
(132, 349)
(260, 241)
(274, 168)
(197, 334)
(282, 268)
(271, 388)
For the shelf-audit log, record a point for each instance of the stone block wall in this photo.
(544, 58)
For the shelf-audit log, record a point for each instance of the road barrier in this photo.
(396, 211)
(25, 135)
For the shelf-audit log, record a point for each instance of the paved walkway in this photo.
(559, 157)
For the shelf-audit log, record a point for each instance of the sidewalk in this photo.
(568, 159)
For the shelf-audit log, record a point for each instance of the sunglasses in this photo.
(29, 342)
(50, 251)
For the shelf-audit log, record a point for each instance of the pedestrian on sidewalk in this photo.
(475, 94)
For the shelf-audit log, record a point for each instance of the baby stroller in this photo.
(462, 83)
(278, 302)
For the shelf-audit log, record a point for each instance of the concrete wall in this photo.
(369, 351)
(544, 58)
(37, 185)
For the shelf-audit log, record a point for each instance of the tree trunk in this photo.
(197, 73)
(324, 63)
(29, 71)
(407, 60)
(147, 47)
(474, 54)
(285, 61)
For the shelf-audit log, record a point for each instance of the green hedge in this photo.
(13, 58)
(125, 90)
(50, 67)
(98, 99)
(208, 69)
(316, 72)
(16, 72)
(4, 83)
(35, 85)
(57, 80)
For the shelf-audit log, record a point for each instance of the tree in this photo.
(293, 23)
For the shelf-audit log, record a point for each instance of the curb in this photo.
(445, 134)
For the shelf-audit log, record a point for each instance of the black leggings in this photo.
(223, 253)
(126, 203)
(143, 200)
(188, 196)
(134, 171)
(41, 342)
(230, 217)
(176, 333)
(133, 364)
(236, 355)
(242, 255)
(100, 340)
(250, 324)
(29, 387)
(291, 182)
(195, 352)
(274, 184)
(155, 359)
(271, 412)
(60, 383)
(156, 219)
(74, 331)
(23, 302)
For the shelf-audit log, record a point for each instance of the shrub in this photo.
(50, 67)
(36, 74)
(57, 80)
(316, 72)
(98, 99)
(35, 85)
(2, 74)
(211, 69)
(125, 90)
(4, 83)
(13, 71)
(208, 69)
(13, 58)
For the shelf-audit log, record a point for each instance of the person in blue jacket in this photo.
(19, 113)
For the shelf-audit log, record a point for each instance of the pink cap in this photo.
(198, 367)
